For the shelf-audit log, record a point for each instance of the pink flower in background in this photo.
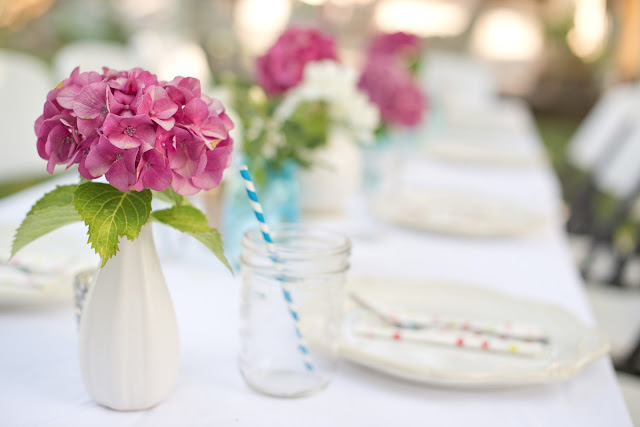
(393, 90)
(402, 45)
(281, 67)
(136, 131)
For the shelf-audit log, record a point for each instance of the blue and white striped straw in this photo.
(266, 234)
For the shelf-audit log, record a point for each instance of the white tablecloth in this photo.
(40, 382)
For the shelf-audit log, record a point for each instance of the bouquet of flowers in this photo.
(141, 134)
(303, 92)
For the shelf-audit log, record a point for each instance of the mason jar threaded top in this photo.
(298, 251)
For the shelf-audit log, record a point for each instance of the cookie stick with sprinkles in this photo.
(446, 337)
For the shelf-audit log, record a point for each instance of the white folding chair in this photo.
(605, 125)
(24, 84)
(607, 147)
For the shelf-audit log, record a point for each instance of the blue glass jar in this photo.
(279, 196)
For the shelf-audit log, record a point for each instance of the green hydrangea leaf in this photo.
(170, 196)
(192, 221)
(184, 218)
(62, 195)
(110, 214)
(51, 212)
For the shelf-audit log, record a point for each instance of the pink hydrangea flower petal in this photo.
(158, 106)
(122, 173)
(181, 90)
(67, 95)
(101, 157)
(48, 143)
(213, 130)
(90, 127)
(153, 172)
(218, 160)
(195, 112)
(60, 146)
(183, 186)
(116, 164)
(188, 158)
(130, 132)
(73, 85)
(91, 101)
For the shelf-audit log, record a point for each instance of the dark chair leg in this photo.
(631, 364)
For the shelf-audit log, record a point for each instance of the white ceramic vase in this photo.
(128, 343)
(334, 178)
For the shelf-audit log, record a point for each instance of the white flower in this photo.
(335, 84)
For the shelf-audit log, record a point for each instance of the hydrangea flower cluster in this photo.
(400, 45)
(392, 89)
(136, 131)
(387, 80)
(283, 65)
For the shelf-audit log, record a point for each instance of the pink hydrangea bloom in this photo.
(136, 131)
(402, 45)
(281, 67)
(393, 90)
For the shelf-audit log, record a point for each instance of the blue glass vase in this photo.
(279, 196)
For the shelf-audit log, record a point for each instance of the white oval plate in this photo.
(455, 213)
(43, 271)
(466, 153)
(572, 345)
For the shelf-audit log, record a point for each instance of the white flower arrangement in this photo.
(336, 85)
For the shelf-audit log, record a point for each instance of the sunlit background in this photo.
(557, 55)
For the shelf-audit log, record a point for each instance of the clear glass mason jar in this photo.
(291, 310)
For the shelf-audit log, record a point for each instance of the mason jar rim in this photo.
(254, 241)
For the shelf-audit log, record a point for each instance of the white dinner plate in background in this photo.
(482, 154)
(456, 213)
(43, 271)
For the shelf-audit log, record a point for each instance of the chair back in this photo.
(24, 84)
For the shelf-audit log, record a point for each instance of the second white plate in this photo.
(455, 213)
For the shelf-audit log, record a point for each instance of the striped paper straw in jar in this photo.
(266, 234)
